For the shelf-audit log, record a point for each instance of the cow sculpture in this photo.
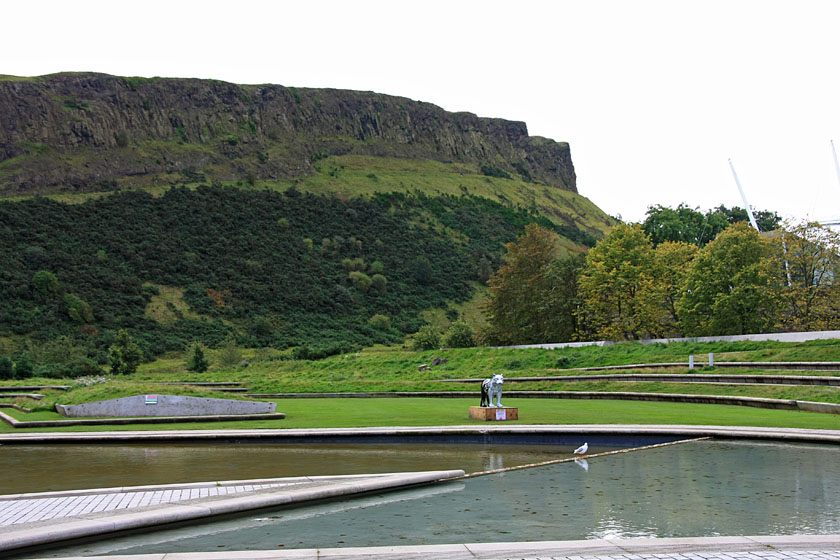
(492, 389)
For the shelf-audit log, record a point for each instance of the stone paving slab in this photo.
(27, 510)
(35, 520)
(795, 547)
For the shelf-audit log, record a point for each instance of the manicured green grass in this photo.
(341, 413)
(393, 369)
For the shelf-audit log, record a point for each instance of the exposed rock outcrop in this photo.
(95, 131)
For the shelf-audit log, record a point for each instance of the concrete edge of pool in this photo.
(792, 547)
(425, 433)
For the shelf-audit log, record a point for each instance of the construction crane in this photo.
(744, 197)
(755, 225)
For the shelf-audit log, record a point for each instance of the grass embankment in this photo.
(394, 370)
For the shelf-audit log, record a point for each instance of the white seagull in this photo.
(582, 449)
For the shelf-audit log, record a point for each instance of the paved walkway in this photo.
(796, 547)
(38, 519)
(28, 508)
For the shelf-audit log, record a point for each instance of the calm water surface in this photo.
(43, 468)
(695, 489)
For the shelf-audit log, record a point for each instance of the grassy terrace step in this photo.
(676, 378)
(341, 413)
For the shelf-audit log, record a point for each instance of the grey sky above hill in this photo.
(653, 96)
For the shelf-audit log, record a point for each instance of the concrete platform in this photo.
(795, 547)
(429, 432)
(29, 520)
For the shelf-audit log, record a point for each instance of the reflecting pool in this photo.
(704, 488)
(44, 468)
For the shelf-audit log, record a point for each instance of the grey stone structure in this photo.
(164, 405)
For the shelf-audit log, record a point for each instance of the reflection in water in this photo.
(33, 468)
(582, 463)
(696, 489)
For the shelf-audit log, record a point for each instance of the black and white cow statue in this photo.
(492, 389)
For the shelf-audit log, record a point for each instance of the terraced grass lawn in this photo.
(354, 412)
(395, 369)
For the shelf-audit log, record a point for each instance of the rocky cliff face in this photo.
(95, 132)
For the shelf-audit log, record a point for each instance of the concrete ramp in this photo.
(164, 405)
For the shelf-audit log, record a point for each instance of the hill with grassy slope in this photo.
(184, 210)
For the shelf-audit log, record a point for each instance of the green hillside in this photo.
(269, 268)
(189, 210)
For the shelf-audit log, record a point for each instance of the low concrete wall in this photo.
(779, 337)
(164, 405)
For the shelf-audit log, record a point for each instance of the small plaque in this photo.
(151, 399)
(501, 414)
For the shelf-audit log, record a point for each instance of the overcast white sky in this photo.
(653, 96)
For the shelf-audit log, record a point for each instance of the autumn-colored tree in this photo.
(811, 255)
(516, 313)
(617, 269)
(732, 285)
(659, 289)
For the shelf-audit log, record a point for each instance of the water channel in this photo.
(707, 488)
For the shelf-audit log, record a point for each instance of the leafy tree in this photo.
(60, 350)
(124, 355)
(617, 270)
(78, 309)
(810, 256)
(7, 370)
(660, 289)
(230, 354)
(732, 285)
(380, 322)
(681, 224)
(197, 362)
(379, 283)
(361, 281)
(427, 338)
(23, 368)
(45, 283)
(560, 298)
(423, 274)
(459, 335)
(764, 219)
(514, 310)
(690, 225)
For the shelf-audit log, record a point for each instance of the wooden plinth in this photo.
(489, 413)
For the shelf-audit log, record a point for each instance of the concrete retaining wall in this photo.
(779, 337)
(164, 405)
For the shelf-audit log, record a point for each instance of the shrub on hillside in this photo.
(459, 335)
(7, 370)
(23, 368)
(197, 361)
(230, 354)
(380, 322)
(427, 338)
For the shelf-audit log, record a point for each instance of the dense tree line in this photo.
(268, 269)
(631, 287)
